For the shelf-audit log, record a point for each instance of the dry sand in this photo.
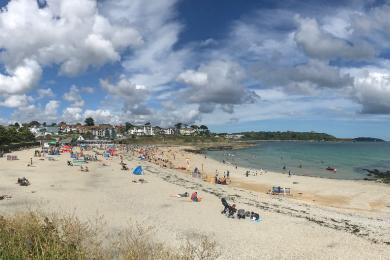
(331, 219)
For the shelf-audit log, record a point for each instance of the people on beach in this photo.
(194, 197)
(182, 195)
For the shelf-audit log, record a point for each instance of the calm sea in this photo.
(311, 158)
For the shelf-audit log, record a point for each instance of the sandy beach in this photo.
(323, 219)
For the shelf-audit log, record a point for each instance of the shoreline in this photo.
(263, 183)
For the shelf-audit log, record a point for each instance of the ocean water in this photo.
(348, 158)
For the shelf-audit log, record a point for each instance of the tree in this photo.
(89, 121)
(128, 126)
(34, 123)
(17, 125)
(44, 124)
(53, 124)
(178, 125)
(204, 129)
(194, 126)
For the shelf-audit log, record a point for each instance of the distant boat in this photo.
(331, 169)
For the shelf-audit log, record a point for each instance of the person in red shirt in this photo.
(194, 197)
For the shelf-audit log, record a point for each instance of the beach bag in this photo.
(241, 213)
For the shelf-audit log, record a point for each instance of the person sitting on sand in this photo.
(86, 169)
(222, 181)
(194, 197)
(183, 195)
(232, 211)
(226, 206)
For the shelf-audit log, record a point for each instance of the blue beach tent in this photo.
(138, 170)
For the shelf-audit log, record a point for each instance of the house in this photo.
(187, 131)
(103, 131)
(37, 130)
(52, 130)
(69, 129)
(146, 129)
(169, 131)
(233, 136)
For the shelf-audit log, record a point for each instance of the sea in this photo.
(311, 158)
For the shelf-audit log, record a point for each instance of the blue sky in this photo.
(235, 66)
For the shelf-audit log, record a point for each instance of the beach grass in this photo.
(34, 235)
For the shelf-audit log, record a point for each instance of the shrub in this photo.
(35, 236)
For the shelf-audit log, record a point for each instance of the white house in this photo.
(142, 130)
(187, 131)
(103, 131)
(169, 131)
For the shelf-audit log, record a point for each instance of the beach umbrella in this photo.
(138, 170)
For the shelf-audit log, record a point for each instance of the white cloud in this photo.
(155, 62)
(318, 43)
(73, 96)
(193, 78)
(72, 34)
(219, 82)
(72, 115)
(372, 91)
(51, 109)
(20, 79)
(45, 92)
(102, 116)
(15, 101)
(133, 95)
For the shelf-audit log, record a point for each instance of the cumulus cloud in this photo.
(219, 82)
(318, 43)
(72, 114)
(74, 97)
(50, 111)
(45, 92)
(21, 78)
(133, 95)
(304, 78)
(372, 91)
(156, 62)
(102, 116)
(72, 34)
(15, 101)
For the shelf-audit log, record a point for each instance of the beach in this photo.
(321, 219)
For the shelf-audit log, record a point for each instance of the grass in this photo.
(36, 236)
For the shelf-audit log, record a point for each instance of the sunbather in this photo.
(183, 195)
(226, 206)
(194, 197)
(241, 214)
(232, 211)
(254, 216)
(23, 181)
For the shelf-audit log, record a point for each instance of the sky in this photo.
(233, 65)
